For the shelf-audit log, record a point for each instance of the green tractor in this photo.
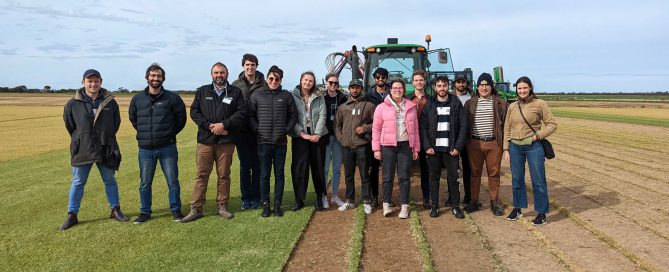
(401, 60)
(503, 87)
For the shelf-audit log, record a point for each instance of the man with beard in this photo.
(376, 94)
(92, 119)
(218, 110)
(464, 94)
(157, 115)
(249, 81)
(485, 130)
(352, 128)
(442, 135)
(272, 115)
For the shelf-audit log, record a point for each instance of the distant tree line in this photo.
(48, 89)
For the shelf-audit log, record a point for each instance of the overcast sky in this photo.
(567, 45)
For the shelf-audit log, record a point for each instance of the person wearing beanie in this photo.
(485, 131)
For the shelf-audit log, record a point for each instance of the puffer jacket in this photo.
(353, 114)
(157, 121)
(272, 115)
(93, 136)
(457, 122)
(318, 114)
(384, 128)
(499, 107)
(536, 112)
(208, 108)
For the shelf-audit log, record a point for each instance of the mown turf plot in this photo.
(34, 204)
(621, 118)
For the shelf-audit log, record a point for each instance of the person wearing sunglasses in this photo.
(376, 94)
(272, 116)
(333, 99)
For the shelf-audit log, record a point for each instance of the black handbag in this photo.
(549, 153)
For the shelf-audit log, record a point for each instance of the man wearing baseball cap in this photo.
(92, 119)
(463, 92)
(353, 128)
(485, 131)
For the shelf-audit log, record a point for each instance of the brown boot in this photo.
(118, 215)
(70, 221)
(223, 212)
(195, 214)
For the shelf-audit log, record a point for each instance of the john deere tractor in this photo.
(503, 87)
(401, 60)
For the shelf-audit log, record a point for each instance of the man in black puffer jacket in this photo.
(273, 115)
(218, 110)
(92, 119)
(158, 115)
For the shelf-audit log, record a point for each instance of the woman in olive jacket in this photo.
(523, 143)
(307, 146)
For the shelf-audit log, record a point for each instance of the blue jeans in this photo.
(249, 169)
(148, 158)
(80, 177)
(272, 154)
(534, 154)
(333, 150)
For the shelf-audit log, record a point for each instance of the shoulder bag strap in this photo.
(526, 122)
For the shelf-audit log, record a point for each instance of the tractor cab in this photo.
(402, 60)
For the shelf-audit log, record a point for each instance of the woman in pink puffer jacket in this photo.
(395, 141)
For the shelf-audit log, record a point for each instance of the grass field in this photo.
(663, 98)
(36, 176)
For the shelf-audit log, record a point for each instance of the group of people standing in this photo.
(365, 130)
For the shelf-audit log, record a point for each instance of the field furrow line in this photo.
(587, 154)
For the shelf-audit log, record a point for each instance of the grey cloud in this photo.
(73, 14)
(9, 52)
(58, 47)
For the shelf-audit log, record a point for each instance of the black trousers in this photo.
(360, 157)
(374, 166)
(424, 175)
(436, 163)
(307, 155)
(396, 157)
(466, 174)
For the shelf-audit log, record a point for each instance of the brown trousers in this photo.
(490, 153)
(205, 156)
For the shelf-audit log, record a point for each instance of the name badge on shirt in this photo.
(227, 100)
(209, 98)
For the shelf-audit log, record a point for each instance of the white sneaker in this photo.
(404, 212)
(326, 204)
(386, 209)
(368, 208)
(346, 206)
(337, 201)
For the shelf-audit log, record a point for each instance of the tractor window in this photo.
(435, 65)
(399, 64)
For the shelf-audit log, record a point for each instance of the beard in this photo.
(220, 81)
(155, 83)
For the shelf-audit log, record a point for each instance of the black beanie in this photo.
(485, 77)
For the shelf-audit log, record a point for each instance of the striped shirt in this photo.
(484, 118)
(443, 127)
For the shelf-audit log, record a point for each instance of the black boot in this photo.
(118, 215)
(70, 221)
(472, 206)
(319, 203)
(278, 212)
(265, 209)
(299, 204)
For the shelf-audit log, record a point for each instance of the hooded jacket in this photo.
(353, 114)
(247, 89)
(157, 120)
(318, 114)
(209, 108)
(384, 128)
(457, 122)
(93, 133)
(272, 115)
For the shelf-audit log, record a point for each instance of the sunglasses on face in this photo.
(276, 79)
(335, 83)
(381, 77)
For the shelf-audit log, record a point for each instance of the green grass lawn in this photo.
(34, 204)
(641, 120)
(660, 98)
